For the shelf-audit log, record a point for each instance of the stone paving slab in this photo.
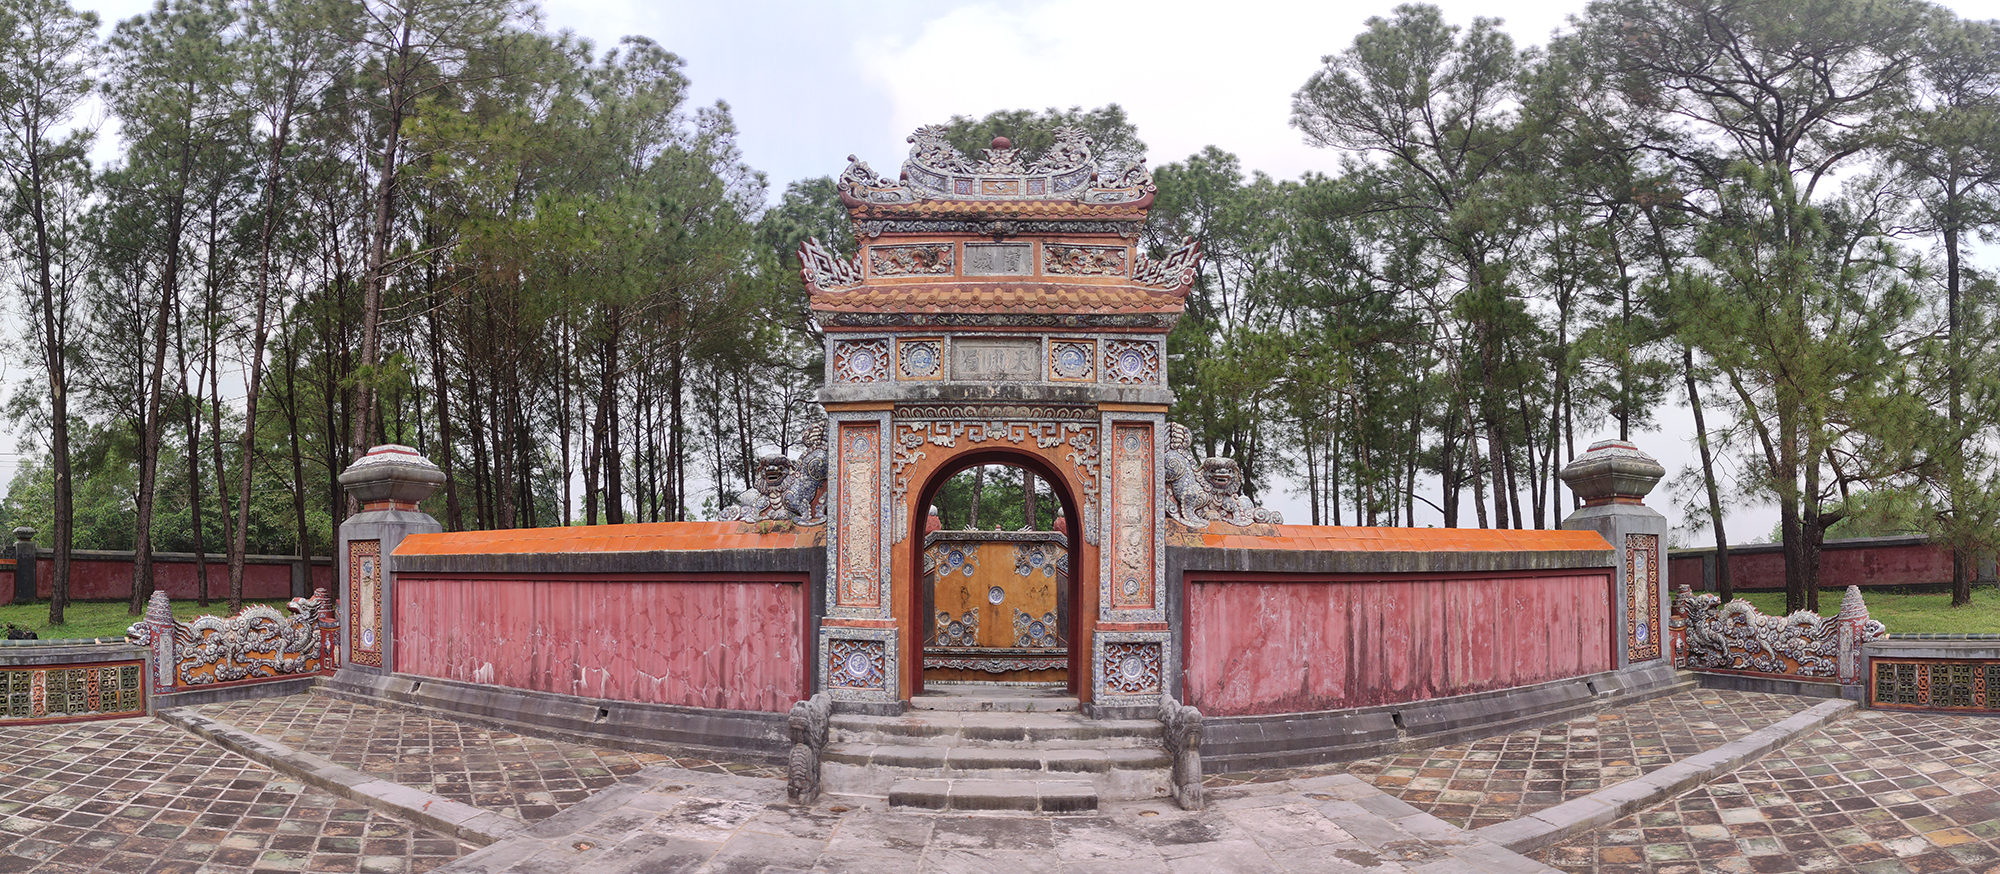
(514, 775)
(1876, 793)
(138, 795)
(672, 820)
(1506, 777)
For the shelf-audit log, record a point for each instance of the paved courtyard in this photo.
(1874, 792)
(138, 795)
(1506, 777)
(527, 778)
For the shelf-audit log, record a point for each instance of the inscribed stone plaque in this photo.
(999, 259)
(996, 359)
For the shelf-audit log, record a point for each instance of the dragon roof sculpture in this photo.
(1066, 180)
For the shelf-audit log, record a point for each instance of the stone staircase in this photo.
(995, 748)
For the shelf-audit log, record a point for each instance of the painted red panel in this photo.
(110, 578)
(730, 645)
(1282, 647)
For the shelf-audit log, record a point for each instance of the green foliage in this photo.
(103, 619)
(1907, 613)
(1115, 139)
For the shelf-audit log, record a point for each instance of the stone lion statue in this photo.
(1211, 491)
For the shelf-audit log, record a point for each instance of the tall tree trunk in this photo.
(1722, 583)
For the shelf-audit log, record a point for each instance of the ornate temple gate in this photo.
(997, 312)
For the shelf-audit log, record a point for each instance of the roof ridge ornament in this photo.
(937, 171)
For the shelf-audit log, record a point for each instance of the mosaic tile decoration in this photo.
(861, 361)
(1131, 668)
(920, 359)
(1642, 593)
(1072, 360)
(364, 610)
(1131, 362)
(857, 562)
(47, 693)
(857, 664)
(1934, 685)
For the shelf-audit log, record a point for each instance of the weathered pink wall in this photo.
(699, 643)
(107, 576)
(1319, 644)
(1841, 564)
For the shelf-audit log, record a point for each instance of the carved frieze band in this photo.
(1076, 442)
(923, 259)
(1064, 260)
(994, 413)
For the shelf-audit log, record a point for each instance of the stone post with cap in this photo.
(1613, 479)
(24, 565)
(388, 482)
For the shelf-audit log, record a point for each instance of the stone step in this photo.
(955, 761)
(996, 703)
(985, 728)
(1043, 796)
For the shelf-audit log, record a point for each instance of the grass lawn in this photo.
(1925, 613)
(102, 618)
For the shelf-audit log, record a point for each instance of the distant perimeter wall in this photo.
(1868, 562)
(106, 575)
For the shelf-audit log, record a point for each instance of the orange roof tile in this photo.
(1024, 297)
(1029, 208)
(638, 537)
(1331, 538)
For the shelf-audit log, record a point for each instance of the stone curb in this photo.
(1612, 803)
(460, 820)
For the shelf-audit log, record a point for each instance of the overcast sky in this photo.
(812, 82)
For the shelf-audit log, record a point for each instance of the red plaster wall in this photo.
(722, 644)
(110, 578)
(1840, 566)
(1318, 644)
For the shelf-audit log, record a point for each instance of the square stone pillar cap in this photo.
(391, 477)
(1613, 471)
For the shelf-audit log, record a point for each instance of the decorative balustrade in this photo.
(1734, 637)
(260, 643)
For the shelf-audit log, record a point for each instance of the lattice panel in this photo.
(1930, 685)
(110, 691)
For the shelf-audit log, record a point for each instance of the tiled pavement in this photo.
(1877, 793)
(138, 795)
(1509, 776)
(523, 777)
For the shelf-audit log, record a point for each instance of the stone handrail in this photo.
(1183, 742)
(257, 643)
(809, 723)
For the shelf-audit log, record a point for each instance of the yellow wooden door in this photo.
(997, 605)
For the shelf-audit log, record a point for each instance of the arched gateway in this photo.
(998, 310)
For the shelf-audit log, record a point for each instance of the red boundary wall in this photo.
(1868, 562)
(1271, 644)
(735, 642)
(106, 575)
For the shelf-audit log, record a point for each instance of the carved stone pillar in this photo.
(388, 481)
(1613, 479)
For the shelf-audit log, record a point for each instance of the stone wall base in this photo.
(1286, 740)
(733, 735)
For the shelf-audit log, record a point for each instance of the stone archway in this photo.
(920, 611)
